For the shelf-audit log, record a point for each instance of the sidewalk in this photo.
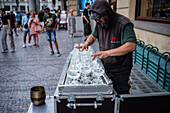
(34, 66)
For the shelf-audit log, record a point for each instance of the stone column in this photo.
(37, 6)
(31, 5)
(34, 5)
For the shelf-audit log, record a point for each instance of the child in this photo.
(71, 24)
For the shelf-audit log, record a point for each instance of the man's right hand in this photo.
(84, 46)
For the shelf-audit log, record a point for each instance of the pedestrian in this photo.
(6, 30)
(86, 21)
(33, 23)
(117, 40)
(13, 21)
(40, 16)
(58, 19)
(50, 23)
(18, 20)
(26, 30)
(71, 24)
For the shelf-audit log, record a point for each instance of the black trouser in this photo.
(120, 80)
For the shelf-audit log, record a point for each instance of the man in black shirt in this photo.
(41, 16)
(86, 21)
(6, 23)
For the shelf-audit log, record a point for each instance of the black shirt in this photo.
(85, 13)
(41, 16)
(5, 19)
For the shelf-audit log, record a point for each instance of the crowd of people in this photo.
(31, 25)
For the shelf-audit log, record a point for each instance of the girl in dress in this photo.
(32, 23)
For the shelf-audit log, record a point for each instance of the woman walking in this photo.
(71, 24)
(33, 23)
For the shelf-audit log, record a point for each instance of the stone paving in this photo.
(33, 66)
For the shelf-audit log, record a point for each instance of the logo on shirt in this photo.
(114, 40)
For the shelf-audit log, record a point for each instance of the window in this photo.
(7, 8)
(22, 8)
(153, 10)
(14, 8)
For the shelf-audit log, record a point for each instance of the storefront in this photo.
(151, 19)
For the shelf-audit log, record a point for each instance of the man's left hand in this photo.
(101, 54)
(54, 29)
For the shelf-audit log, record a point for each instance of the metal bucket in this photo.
(38, 95)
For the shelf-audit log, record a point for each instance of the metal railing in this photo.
(154, 64)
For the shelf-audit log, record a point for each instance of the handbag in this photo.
(37, 28)
(26, 26)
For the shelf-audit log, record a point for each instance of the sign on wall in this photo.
(83, 2)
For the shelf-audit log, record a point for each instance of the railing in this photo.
(154, 64)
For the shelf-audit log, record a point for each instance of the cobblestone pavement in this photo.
(33, 66)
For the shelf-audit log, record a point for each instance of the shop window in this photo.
(153, 10)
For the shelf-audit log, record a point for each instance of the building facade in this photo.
(151, 20)
(24, 4)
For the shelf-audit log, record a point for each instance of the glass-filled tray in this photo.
(81, 75)
(82, 70)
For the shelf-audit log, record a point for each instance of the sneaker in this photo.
(12, 50)
(24, 46)
(4, 51)
(29, 45)
(58, 54)
(51, 53)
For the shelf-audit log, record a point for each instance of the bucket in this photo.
(38, 95)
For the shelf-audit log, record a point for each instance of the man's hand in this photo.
(54, 29)
(84, 46)
(45, 27)
(10, 33)
(101, 54)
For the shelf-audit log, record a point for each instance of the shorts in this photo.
(50, 35)
(87, 29)
(58, 20)
(41, 23)
(27, 32)
(19, 23)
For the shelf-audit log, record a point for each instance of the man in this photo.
(50, 23)
(18, 19)
(86, 21)
(13, 20)
(26, 30)
(116, 42)
(58, 19)
(41, 16)
(6, 29)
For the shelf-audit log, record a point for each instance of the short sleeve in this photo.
(7, 18)
(85, 12)
(128, 35)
